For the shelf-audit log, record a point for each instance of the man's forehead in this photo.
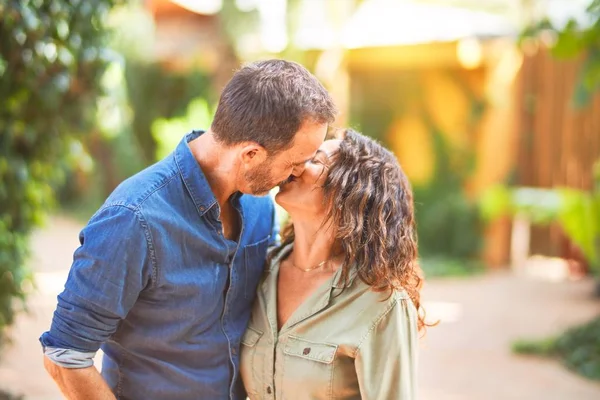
(306, 143)
(299, 159)
(311, 134)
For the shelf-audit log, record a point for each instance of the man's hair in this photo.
(267, 102)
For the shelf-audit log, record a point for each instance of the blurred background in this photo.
(490, 105)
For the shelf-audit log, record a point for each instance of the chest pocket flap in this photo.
(321, 352)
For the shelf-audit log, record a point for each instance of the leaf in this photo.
(541, 206)
(579, 221)
(494, 202)
(168, 132)
(569, 42)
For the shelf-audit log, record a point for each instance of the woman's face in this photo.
(304, 194)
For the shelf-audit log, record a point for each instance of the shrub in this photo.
(52, 56)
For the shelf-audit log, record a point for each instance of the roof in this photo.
(377, 23)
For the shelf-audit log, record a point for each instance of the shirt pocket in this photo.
(309, 367)
(254, 262)
(250, 364)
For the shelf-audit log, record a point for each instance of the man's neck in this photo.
(218, 165)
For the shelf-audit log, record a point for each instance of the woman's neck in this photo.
(313, 242)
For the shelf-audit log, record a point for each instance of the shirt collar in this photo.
(316, 301)
(337, 282)
(192, 175)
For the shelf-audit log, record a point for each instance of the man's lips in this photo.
(291, 178)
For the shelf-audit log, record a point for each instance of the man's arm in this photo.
(79, 383)
(110, 269)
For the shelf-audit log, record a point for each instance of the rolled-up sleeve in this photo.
(111, 267)
(386, 361)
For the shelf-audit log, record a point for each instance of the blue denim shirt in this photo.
(161, 291)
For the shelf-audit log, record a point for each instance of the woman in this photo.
(336, 315)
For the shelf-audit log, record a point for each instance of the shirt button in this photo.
(233, 351)
(269, 391)
(202, 208)
(306, 351)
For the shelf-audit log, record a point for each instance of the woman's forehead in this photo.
(330, 146)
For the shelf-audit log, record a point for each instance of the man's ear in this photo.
(253, 154)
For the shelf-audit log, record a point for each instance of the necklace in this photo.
(311, 268)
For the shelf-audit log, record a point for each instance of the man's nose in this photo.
(298, 169)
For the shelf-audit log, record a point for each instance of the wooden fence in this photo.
(557, 142)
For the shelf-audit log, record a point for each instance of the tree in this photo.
(52, 56)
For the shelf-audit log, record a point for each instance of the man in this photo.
(167, 268)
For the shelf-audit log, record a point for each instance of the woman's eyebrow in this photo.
(322, 152)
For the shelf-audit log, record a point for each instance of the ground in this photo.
(466, 357)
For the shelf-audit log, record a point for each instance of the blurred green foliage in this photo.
(155, 92)
(449, 226)
(108, 154)
(125, 140)
(442, 267)
(52, 56)
(168, 132)
(576, 38)
(578, 348)
(577, 212)
(137, 89)
(448, 222)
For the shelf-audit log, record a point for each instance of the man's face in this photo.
(278, 168)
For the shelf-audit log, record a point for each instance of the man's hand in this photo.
(79, 383)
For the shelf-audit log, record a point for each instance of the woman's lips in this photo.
(291, 179)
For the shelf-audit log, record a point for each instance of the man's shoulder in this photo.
(134, 191)
(257, 205)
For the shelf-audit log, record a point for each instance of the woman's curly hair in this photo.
(372, 215)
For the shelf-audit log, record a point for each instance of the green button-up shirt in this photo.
(339, 344)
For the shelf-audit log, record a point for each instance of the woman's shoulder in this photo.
(380, 313)
(377, 303)
(388, 295)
